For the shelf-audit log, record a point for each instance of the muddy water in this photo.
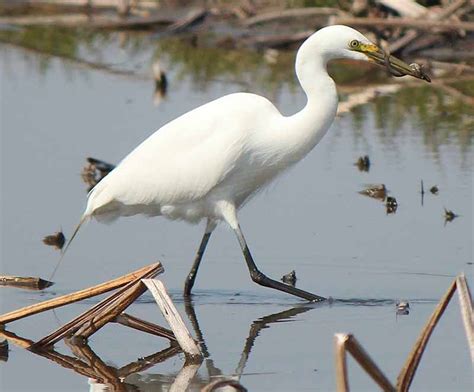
(55, 112)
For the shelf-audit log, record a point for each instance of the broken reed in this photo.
(347, 343)
(111, 309)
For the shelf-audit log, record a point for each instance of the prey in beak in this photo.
(395, 67)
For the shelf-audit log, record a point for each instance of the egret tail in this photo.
(63, 252)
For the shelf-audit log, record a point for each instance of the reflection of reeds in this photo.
(347, 343)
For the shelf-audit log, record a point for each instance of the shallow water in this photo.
(55, 112)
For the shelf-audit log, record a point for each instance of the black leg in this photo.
(189, 282)
(261, 279)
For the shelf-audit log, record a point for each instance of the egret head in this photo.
(335, 42)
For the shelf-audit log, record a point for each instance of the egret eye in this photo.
(354, 44)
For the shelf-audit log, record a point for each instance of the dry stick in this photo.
(76, 323)
(147, 362)
(407, 373)
(347, 342)
(15, 339)
(78, 295)
(465, 303)
(173, 318)
(291, 13)
(411, 35)
(342, 379)
(111, 311)
(145, 326)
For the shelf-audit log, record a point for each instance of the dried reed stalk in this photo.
(174, 320)
(68, 362)
(145, 326)
(78, 295)
(15, 339)
(348, 343)
(78, 322)
(104, 374)
(147, 362)
(408, 371)
(111, 311)
(465, 303)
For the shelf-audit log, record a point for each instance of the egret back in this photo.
(186, 159)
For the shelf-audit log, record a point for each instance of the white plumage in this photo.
(208, 162)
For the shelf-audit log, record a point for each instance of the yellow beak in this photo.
(395, 66)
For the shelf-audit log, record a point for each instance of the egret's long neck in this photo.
(308, 126)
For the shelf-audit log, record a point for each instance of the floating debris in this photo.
(289, 278)
(403, 308)
(391, 205)
(434, 190)
(94, 171)
(377, 191)
(57, 240)
(24, 282)
(161, 83)
(449, 215)
(363, 163)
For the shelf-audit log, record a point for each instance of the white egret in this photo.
(208, 162)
